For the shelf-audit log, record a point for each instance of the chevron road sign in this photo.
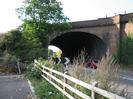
(63, 60)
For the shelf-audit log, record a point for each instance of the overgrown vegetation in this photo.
(29, 41)
(14, 48)
(43, 89)
(125, 50)
(106, 74)
(32, 72)
(16, 45)
(40, 19)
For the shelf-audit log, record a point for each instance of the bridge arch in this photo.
(71, 44)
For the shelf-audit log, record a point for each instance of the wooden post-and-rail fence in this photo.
(50, 75)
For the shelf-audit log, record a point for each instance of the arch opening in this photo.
(72, 43)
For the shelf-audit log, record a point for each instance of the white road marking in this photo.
(126, 78)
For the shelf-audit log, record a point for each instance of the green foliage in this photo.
(29, 41)
(51, 64)
(42, 17)
(50, 53)
(8, 58)
(42, 11)
(44, 90)
(125, 51)
(82, 89)
(33, 72)
(16, 44)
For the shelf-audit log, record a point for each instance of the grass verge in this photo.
(43, 90)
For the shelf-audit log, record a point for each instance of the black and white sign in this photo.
(63, 60)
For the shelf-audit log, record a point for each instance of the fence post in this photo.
(92, 92)
(64, 81)
(51, 74)
(18, 65)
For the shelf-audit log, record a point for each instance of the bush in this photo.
(33, 72)
(25, 47)
(51, 64)
(42, 88)
(9, 62)
(125, 51)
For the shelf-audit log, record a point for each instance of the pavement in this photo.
(14, 87)
(126, 81)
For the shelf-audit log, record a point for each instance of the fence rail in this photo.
(50, 75)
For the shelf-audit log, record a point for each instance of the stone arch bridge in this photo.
(94, 36)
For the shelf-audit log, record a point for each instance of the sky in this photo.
(75, 10)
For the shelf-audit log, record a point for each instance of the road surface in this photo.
(126, 81)
(13, 87)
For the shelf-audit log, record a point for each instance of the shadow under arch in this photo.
(72, 43)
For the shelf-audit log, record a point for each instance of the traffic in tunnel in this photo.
(72, 43)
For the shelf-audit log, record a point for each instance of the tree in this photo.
(16, 44)
(42, 17)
